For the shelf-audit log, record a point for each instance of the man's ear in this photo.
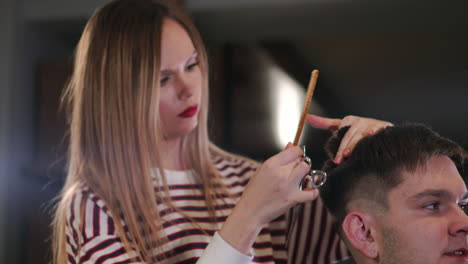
(359, 229)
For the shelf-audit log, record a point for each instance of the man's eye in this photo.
(464, 207)
(432, 206)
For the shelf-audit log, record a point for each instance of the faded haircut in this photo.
(377, 162)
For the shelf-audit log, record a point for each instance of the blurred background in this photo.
(394, 60)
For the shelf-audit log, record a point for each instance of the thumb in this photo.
(306, 195)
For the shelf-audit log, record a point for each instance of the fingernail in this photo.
(288, 145)
(371, 132)
(338, 159)
(346, 152)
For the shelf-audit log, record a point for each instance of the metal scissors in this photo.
(314, 178)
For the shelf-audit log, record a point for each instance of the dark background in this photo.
(394, 60)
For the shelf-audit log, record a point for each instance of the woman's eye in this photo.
(193, 65)
(163, 80)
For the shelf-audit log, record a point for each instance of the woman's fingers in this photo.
(360, 127)
(290, 154)
(297, 175)
(356, 137)
(378, 127)
(298, 172)
(289, 145)
(368, 130)
(278, 171)
(344, 145)
(305, 195)
(322, 122)
(273, 189)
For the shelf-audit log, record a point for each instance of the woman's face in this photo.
(180, 81)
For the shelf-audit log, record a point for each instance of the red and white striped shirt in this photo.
(97, 241)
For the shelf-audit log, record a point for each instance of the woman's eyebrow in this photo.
(169, 71)
(194, 54)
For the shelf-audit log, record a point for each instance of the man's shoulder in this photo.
(346, 261)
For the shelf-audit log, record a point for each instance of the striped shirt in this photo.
(96, 240)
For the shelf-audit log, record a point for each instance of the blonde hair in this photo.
(113, 104)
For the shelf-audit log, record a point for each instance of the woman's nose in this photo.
(184, 87)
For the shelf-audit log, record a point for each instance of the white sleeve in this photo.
(219, 251)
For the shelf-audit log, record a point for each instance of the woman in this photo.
(144, 183)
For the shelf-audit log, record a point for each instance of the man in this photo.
(399, 198)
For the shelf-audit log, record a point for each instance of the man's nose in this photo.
(459, 226)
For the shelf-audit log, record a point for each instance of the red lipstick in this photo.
(189, 111)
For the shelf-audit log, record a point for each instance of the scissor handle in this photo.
(316, 177)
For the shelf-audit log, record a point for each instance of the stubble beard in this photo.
(393, 250)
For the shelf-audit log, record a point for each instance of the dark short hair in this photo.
(376, 164)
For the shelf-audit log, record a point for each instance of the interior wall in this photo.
(22, 47)
(8, 166)
(417, 76)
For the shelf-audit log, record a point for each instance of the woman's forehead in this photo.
(176, 44)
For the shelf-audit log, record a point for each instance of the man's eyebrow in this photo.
(464, 197)
(436, 193)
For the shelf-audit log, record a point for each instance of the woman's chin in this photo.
(181, 132)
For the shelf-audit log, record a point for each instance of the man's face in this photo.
(425, 222)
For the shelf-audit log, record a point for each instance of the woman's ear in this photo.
(359, 229)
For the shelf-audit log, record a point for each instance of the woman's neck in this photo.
(171, 157)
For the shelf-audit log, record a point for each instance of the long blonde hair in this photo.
(112, 100)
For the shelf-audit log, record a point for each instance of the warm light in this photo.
(287, 105)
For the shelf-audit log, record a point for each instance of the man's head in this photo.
(398, 198)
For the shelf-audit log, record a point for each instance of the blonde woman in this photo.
(144, 183)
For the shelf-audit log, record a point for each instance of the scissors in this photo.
(316, 178)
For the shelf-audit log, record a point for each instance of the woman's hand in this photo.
(270, 193)
(360, 127)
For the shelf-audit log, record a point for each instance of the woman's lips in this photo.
(189, 111)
